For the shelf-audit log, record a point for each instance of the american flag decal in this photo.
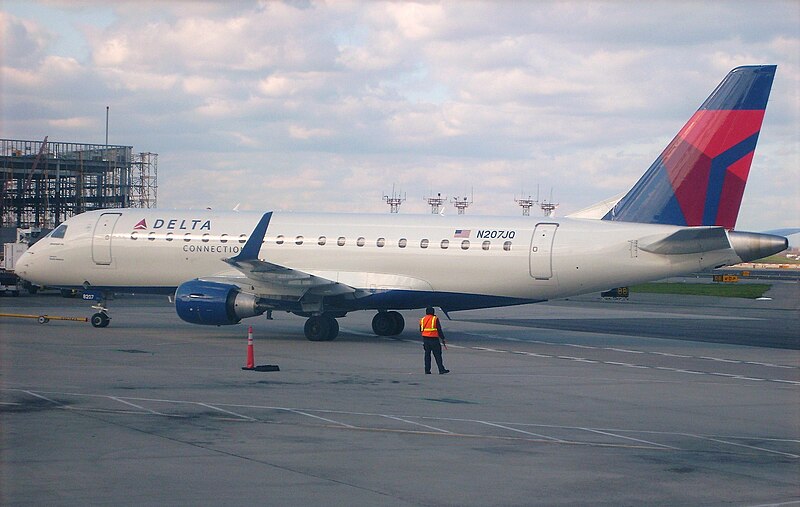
(462, 233)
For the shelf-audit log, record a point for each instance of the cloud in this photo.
(306, 105)
(23, 42)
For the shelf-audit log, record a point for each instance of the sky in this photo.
(329, 106)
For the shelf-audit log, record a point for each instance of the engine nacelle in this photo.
(215, 304)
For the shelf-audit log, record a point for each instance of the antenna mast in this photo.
(436, 203)
(462, 204)
(549, 207)
(394, 201)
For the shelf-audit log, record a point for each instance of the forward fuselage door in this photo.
(101, 239)
(541, 253)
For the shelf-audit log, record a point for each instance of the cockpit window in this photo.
(59, 231)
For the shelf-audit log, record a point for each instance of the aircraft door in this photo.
(101, 239)
(541, 252)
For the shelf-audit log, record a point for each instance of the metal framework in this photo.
(43, 183)
(436, 203)
(394, 201)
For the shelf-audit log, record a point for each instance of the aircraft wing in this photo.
(276, 277)
(293, 280)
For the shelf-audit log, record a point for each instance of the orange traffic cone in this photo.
(251, 362)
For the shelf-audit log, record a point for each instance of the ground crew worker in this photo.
(432, 332)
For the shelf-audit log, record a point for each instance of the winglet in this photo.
(253, 245)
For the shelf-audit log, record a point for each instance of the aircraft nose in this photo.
(26, 267)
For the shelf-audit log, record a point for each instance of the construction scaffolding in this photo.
(43, 183)
(144, 180)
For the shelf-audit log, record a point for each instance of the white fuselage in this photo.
(515, 257)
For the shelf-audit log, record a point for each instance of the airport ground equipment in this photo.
(43, 319)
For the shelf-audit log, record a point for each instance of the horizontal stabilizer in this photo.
(687, 241)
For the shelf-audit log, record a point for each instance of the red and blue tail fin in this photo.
(699, 178)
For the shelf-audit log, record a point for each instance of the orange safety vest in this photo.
(427, 325)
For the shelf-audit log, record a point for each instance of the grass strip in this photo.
(725, 290)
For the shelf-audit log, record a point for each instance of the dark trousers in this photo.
(433, 345)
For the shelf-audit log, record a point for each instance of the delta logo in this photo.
(175, 224)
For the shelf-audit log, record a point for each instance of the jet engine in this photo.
(215, 304)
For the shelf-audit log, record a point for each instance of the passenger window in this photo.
(169, 236)
(445, 243)
(243, 238)
(423, 243)
(298, 240)
(151, 236)
(322, 240)
(360, 241)
(465, 245)
(381, 242)
(134, 235)
(205, 237)
(340, 241)
(223, 238)
(402, 243)
(59, 232)
(507, 246)
(486, 244)
(279, 239)
(187, 237)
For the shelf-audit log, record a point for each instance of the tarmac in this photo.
(657, 400)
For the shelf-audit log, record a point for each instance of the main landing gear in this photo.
(321, 328)
(324, 328)
(388, 323)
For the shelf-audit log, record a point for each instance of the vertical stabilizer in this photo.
(699, 178)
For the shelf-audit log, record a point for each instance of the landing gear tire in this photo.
(399, 323)
(321, 328)
(388, 323)
(334, 331)
(100, 319)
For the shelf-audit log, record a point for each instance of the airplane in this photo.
(222, 267)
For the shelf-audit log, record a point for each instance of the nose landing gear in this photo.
(100, 319)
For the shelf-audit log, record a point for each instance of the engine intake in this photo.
(214, 304)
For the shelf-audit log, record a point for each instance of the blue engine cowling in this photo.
(215, 304)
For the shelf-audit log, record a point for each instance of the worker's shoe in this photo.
(443, 372)
(427, 373)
